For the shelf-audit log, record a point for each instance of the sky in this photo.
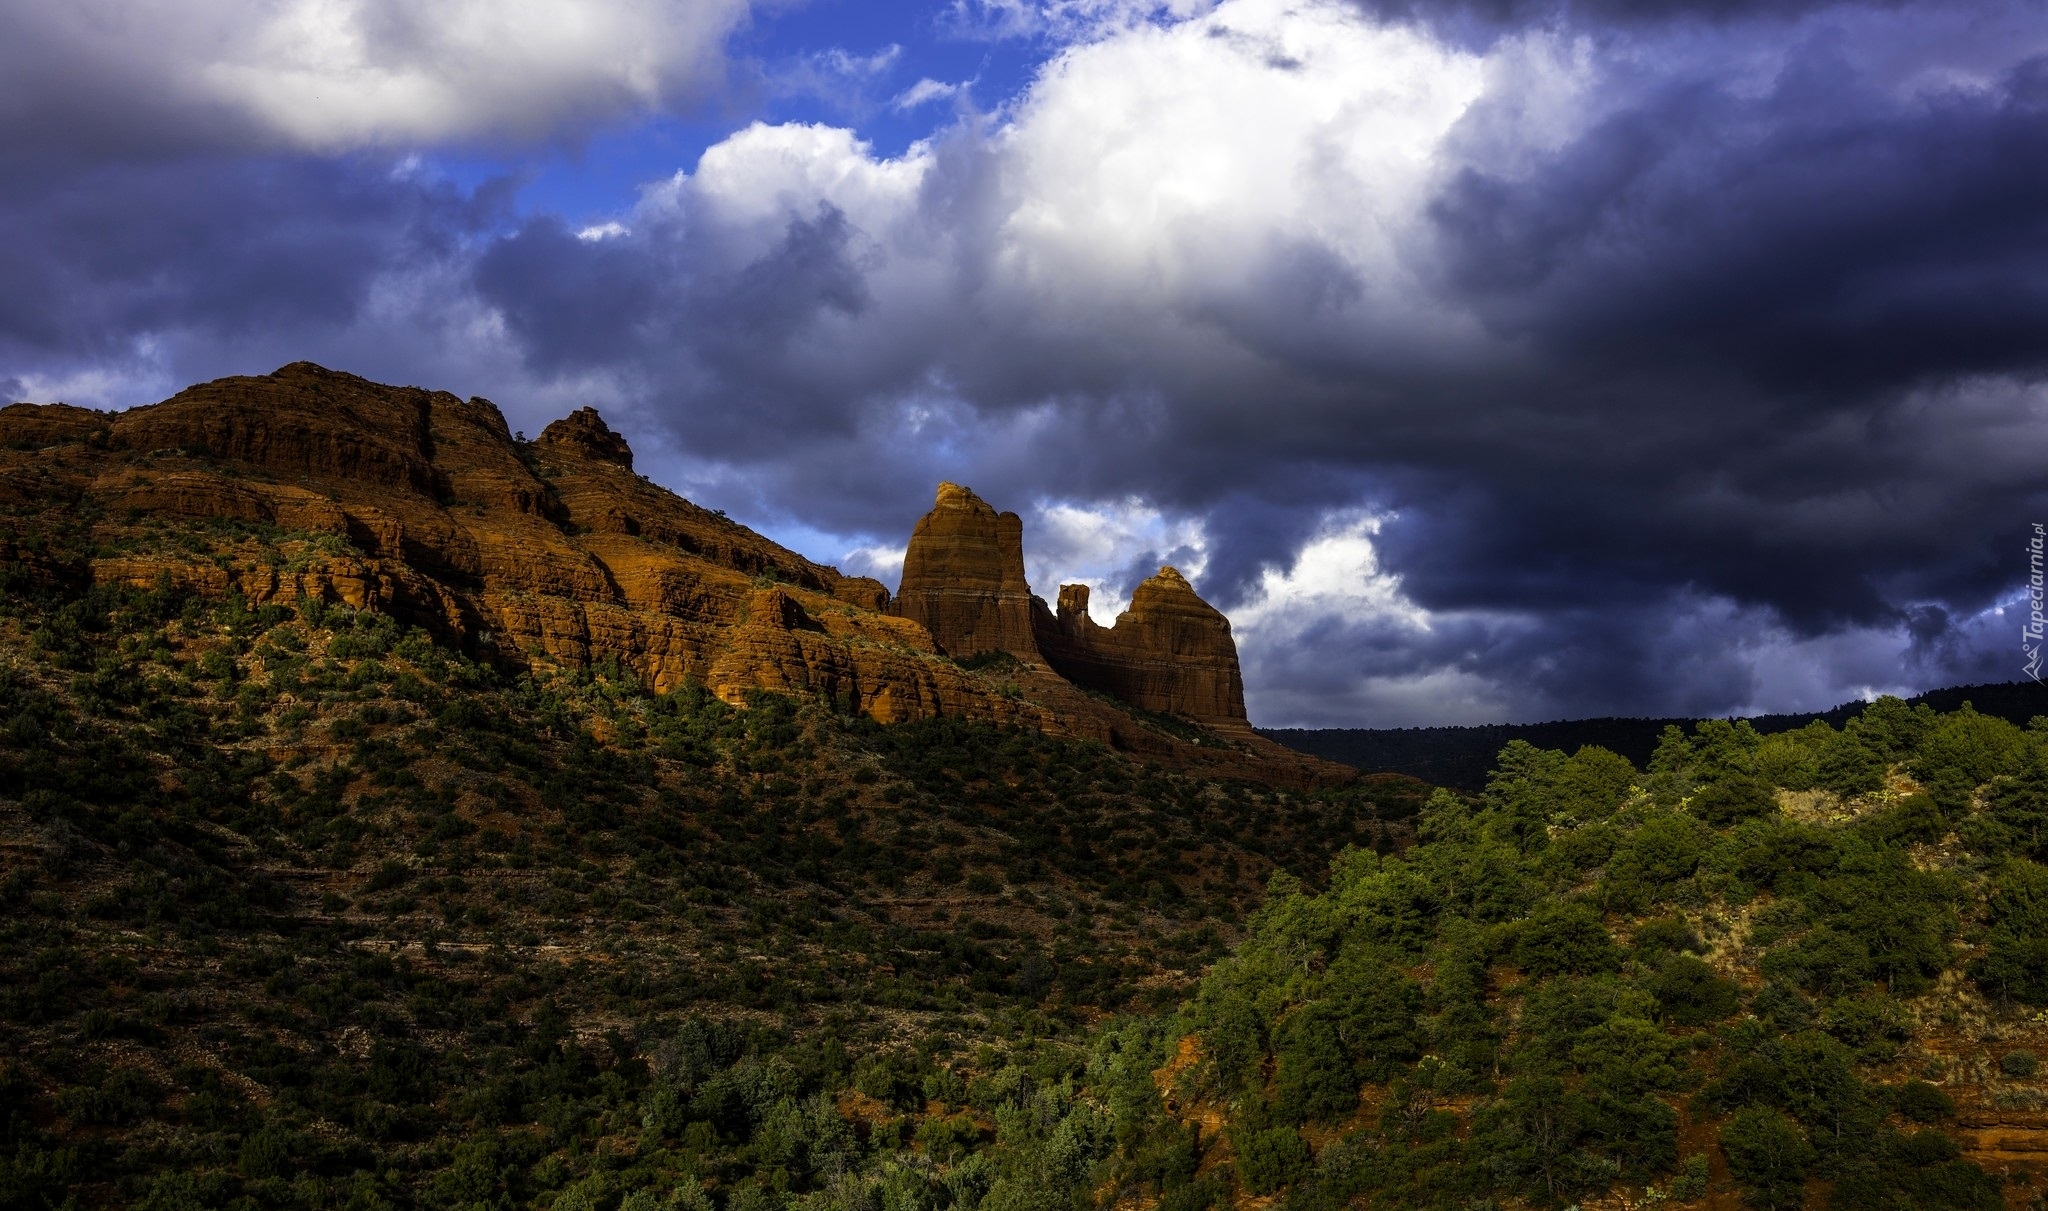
(1484, 360)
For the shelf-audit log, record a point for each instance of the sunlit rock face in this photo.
(1170, 652)
(963, 578)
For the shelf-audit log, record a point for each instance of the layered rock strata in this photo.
(423, 505)
(1170, 652)
(963, 578)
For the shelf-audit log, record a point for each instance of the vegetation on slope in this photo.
(302, 910)
(1777, 967)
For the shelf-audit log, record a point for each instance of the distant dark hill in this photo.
(1461, 756)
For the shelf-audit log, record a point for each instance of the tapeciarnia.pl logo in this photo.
(2030, 636)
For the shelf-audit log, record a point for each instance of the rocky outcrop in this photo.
(33, 426)
(422, 505)
(1170, 652)
(963, 578)
(584, 432)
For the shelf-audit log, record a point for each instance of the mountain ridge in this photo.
(426, 506)
(1460, 756)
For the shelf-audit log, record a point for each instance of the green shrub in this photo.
(1920, 1102)
(1769, 1156)
(1666, 935)
(1269, 1159)
(1849, 766)
(1560, 939)
(1691, 1182)
(2016, 960)
(1873, 1023)
(1689, 993)
(1663, 851)
(266, 1153)
(1792, 759)
(2019, 1063)
(1732, 799)
(1966, 749)
(1314, 1078)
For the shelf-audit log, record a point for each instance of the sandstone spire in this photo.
(1169, 652)
(963, 578)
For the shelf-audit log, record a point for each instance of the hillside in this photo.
(373, 836)
(1462, 757)
(1798, 970)
(307, 908)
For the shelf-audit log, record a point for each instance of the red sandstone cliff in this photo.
(1171, 652)
(422, 504)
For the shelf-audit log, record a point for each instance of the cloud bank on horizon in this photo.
(1485, 360)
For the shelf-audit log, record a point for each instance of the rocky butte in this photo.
(424, 505)
(1170, 653)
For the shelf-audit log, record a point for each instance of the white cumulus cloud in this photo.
(336, 74)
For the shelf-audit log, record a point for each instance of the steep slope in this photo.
(1799, 970)
(307, 909)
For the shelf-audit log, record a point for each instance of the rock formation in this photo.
(1170, 652)
(584, 432)
(423, 505)
(963, 578)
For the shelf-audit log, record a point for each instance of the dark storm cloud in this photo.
(689, 321)
(1478, 22)
(1744, 369)
(1823, 237)
(1776, 300)
(1774, 348)
(214, 251)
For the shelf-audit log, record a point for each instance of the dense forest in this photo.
(304, 911)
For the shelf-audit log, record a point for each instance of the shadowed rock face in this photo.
(963, 578)
(1169, 652)
(585, 432)
(555, 551)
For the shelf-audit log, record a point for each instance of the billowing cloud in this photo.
(1486, 360)
(339, 74)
